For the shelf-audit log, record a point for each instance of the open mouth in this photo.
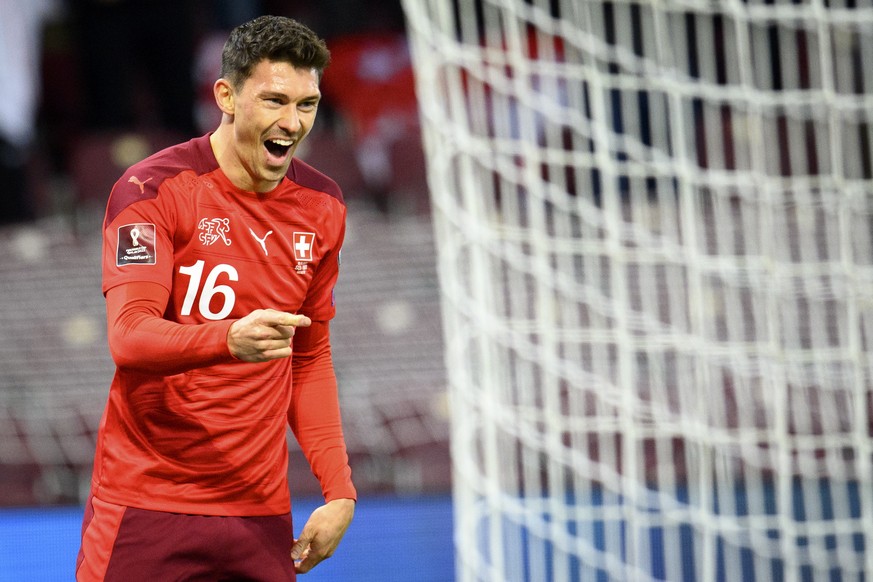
(278, 148)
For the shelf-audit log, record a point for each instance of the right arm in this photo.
(140, 339)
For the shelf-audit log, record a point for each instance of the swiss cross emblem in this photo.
(303, 243)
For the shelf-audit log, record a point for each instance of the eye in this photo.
(274, 100)
(308, 105)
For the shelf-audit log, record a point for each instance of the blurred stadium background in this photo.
(54, 364)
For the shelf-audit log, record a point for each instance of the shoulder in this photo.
(308, 177)
(142, 181)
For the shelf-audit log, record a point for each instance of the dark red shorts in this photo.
(128, 544)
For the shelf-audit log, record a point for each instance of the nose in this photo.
(290, 120)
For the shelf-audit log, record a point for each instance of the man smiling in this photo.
(220, 335)
(264, 118)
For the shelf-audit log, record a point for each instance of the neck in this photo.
(218, 141)
(221, 142)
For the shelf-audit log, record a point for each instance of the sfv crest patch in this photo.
(213, 230)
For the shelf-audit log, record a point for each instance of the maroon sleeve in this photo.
(141, 340)
(314, 414)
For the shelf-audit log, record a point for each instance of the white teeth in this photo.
(283, 142)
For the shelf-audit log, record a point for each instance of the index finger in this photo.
(274, 318)
(294, 320)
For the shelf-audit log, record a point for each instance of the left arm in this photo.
(314, 417)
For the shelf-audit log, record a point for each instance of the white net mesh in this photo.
(653, 223)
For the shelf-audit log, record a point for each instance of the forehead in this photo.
(282, 77)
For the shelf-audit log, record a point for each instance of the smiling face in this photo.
(263, 122)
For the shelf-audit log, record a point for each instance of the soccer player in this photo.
(220, 257)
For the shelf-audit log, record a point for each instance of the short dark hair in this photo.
(273, 38)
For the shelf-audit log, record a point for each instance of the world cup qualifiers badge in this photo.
(136, 245)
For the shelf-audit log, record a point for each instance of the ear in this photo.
(224, 97)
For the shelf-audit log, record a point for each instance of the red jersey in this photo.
(192, 430)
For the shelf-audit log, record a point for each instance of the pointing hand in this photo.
(264, 334)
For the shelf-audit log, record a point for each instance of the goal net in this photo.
(653, 222)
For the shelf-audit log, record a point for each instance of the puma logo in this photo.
(138, 182)
(262, 241)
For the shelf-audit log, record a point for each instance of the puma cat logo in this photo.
(138, 182)
(262, 241)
